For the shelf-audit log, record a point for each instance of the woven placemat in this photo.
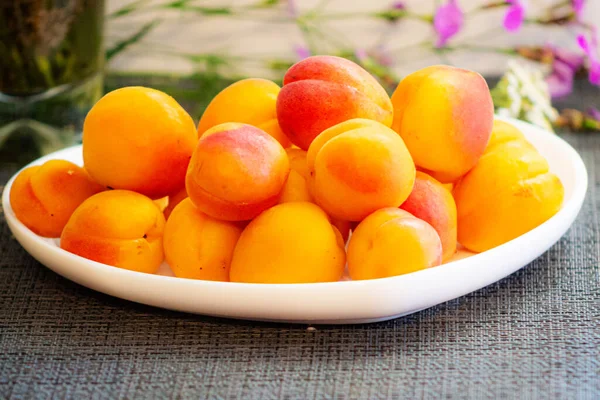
(535, 334)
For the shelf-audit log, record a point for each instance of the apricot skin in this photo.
(434, 204)
(119, 228)
(358, 167)
(236, 172)
(296, 188)
(198, 246)
(445, 115)
(250, 101)
(44, 197)
(508, 193)
(321, 91)
(138, 139)
(392, 242)
(289, 243)
(174, 200)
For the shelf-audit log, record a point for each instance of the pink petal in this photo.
(447, 22)
(361, 54)
(302, 52)
(398, 5)
(383, 57)
(594, 75)
(594, 113)
(573, 60)
(582, 42)
(560, 82)
(513, 20)
(578, 7)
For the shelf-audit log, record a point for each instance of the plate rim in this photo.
(562, 220)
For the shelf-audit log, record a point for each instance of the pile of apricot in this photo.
(294, 184)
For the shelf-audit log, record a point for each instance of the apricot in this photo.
(236, 172)
(295, 189)
(296, 186)
(392, 242)
(119, 228)
(358, 167)
(174, 200)
(43, 197)
(445, 115)
(297, 158)
(434, 204)
(162, 203)
(250, 101)
(508, 193)
(139, 139)
(343, 227)
(289, 243)
(198, 246)
(321, 91)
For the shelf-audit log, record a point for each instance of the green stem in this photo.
(484, 49)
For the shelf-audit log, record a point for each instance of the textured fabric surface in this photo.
(535, 334)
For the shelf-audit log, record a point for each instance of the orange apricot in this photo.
(198, 246)
(43, 197)
(138, 139)
(434, 204)
(297, 159)
(322, 91)
(508, 193)
(358, 167)
(249, 101)
(392, 242)
(289, 243)
(343, 227)
(445, 115)
(119, 228)
(236, 172)
(295, 189)
(174, 200)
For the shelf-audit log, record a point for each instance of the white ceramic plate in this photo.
(336, 303)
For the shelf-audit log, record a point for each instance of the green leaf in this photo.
(177, 4)
(135, 38)
(128, 9)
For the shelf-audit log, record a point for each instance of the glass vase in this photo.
(51, 63)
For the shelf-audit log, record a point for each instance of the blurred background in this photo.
(257, 32)
(57, 57)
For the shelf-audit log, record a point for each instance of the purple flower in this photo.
(594, 113)
(302, 52)
(591, 50)
(448, 21)
(513, 20)
(398, 5)
(564, 67)
(578, 8)
(560, 81)
(361, 55)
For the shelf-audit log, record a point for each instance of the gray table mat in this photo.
(535, 334)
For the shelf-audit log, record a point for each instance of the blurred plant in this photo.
(523, 92)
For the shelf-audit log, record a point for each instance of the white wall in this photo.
(261, 35)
